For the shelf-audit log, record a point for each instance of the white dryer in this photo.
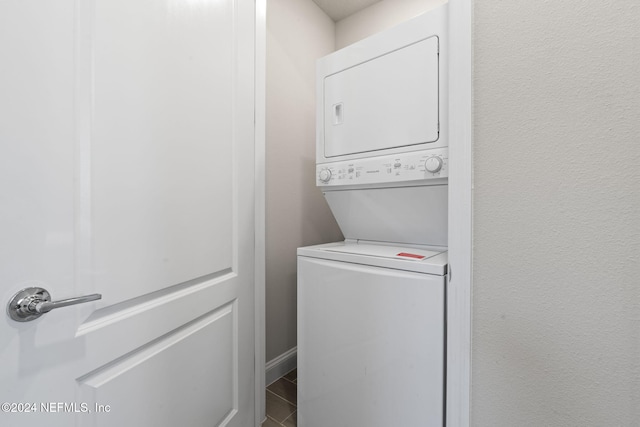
(371, 336)
(371, 309)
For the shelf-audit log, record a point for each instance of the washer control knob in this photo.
(433, 164)
(325, 175)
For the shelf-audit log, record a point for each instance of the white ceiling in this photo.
(340, 9)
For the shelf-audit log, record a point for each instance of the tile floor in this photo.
(282, 398)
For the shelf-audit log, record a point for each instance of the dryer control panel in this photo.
(403, 167)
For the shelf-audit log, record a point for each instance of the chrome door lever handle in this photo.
(31, 303)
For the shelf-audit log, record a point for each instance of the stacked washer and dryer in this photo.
(372, 309)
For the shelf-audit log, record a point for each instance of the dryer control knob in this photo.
(325, 175)
(433, 164)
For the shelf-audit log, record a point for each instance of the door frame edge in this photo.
(260, 207)
(459, 297)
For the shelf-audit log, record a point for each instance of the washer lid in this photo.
(430, 261)
(412, 215)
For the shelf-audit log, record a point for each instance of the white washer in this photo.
(371, 335)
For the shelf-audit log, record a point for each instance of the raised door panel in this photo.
(161, 148)
(193, 392)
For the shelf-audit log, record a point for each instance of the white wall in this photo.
(378, 17)
(298, 33)
(556, 306)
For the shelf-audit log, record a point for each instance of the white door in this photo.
(127, 169)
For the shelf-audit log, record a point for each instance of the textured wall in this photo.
(298, 33)
(556, 298)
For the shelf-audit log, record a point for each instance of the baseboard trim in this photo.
(281, 365)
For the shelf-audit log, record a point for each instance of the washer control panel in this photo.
(416, 166)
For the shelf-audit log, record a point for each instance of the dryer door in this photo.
(387, 102)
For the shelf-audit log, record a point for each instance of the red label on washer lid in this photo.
(408, 255)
